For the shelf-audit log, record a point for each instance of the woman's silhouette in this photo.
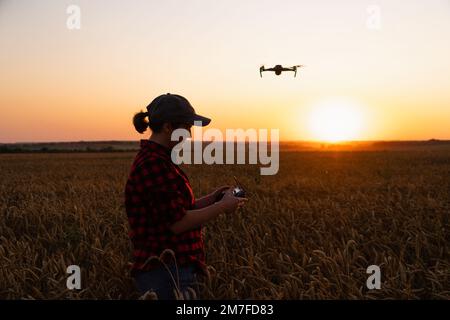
(163, 214)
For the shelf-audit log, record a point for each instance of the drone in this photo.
(279, 68)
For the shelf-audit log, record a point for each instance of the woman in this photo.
(162, 212)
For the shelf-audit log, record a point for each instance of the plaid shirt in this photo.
(157, 194)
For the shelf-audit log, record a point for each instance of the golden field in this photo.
(308, 232)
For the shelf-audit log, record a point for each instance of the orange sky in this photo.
(58, 84)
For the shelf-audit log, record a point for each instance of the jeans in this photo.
(161, 282)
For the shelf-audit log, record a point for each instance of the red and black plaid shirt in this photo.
(157, 194)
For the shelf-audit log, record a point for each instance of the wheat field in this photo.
(308, 232)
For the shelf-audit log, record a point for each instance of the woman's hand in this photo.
(214, 196)
(230, 203)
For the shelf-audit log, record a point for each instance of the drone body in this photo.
(278, 69)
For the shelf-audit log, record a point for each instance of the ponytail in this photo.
(139, 122)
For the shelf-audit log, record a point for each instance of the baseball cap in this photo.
(174, 108)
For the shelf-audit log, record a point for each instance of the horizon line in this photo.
(280, 141)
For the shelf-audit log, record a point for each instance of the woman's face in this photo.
(182, 126)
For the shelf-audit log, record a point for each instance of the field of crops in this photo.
(308, 232)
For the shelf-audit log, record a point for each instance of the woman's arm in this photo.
(210, 198)
(195, 218)
(203, 202)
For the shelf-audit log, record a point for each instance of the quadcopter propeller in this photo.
(295, 69)
(261, 69)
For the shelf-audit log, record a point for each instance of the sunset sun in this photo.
(335, 121)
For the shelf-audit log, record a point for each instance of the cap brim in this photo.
(205, 121)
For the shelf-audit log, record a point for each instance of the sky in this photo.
(381, 68)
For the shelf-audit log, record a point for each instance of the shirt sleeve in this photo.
(160, 193)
